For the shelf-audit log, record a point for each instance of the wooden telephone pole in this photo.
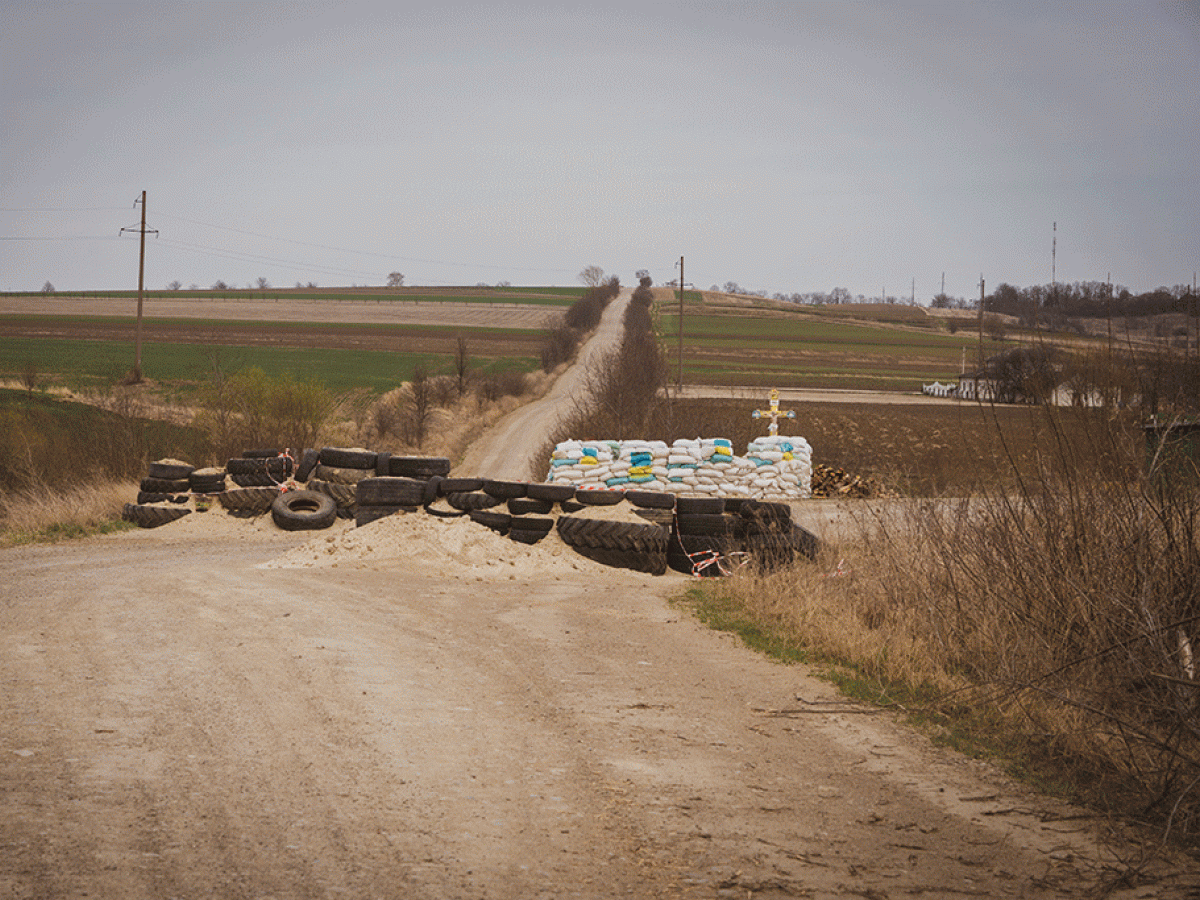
(137, 346)
(679, 378)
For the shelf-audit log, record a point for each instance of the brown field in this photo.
(332, 336)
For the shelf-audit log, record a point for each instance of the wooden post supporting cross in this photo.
(774, 413)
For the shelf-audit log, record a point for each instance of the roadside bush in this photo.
(581, 317)
(252, 409)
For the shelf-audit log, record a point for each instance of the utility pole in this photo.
(679, 380)
(913, 301)
(981, 289)
(137, 346)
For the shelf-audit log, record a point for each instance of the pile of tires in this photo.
(640, 546)
(259, 468)
(705, 540)
(160, 494)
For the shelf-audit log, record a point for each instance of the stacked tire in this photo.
(259, 468)
(640, 546)
(772, 539)
(394, 484)
(160, 495)
(705, 540)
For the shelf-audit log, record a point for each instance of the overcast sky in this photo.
(789, 147)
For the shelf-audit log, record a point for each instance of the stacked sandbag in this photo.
(782, 467)
(773, 467)
(584, 464)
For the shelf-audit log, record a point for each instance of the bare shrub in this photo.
(29, 375)
(252, 409)
(462, 365)
(445, 390)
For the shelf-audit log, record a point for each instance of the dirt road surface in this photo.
(204, 716)
(507, 452)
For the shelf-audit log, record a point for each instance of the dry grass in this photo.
(41, 514)
(1055, 623)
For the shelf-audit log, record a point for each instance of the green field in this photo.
(81, 363)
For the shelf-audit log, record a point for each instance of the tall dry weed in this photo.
(1066, 611)
(38, 513)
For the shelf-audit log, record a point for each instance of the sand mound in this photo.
(456, 548)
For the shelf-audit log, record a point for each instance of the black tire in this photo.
(445, 513)
(520, 506)
(152, 516)
(344, 495)
(391, 491)
(165, 485)
(382, 467)
(497, 522)
(531, 523)
(472, 501)
(459, 485)
(733, 505)
(335, 475)
(207, 481)
(419, 466)
(303, 510)
(664, 517)
(432, 489)
(259, 479)
(505, 490)
(526, 537)
(805, 543)
(778, 514)
(255, 500)
(365, 515)
(692, 554)
(651, 499)
(701, 506)
(555, 493)
(711, 525)
(770, 551)
(571, 506)
(599, 498)
(343, 458)
(609, 535)
(169, 471)
(279, 466)
(654, 563)
(308, 462)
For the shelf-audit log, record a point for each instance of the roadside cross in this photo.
(774, 413)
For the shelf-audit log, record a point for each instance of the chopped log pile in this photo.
(831, 483)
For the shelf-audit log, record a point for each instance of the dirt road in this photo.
(180, 720)
(508, 450)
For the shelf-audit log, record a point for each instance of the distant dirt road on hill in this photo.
(506, 450)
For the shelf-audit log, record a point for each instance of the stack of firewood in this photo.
(829, 482)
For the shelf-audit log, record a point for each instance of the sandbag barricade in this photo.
(774, 467)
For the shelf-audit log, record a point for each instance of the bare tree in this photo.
(462, 365)
(47, 288)
(263, 284)
(592, 276)
(175, 285)
(420, 405)
(395, 279)
(29, 375)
